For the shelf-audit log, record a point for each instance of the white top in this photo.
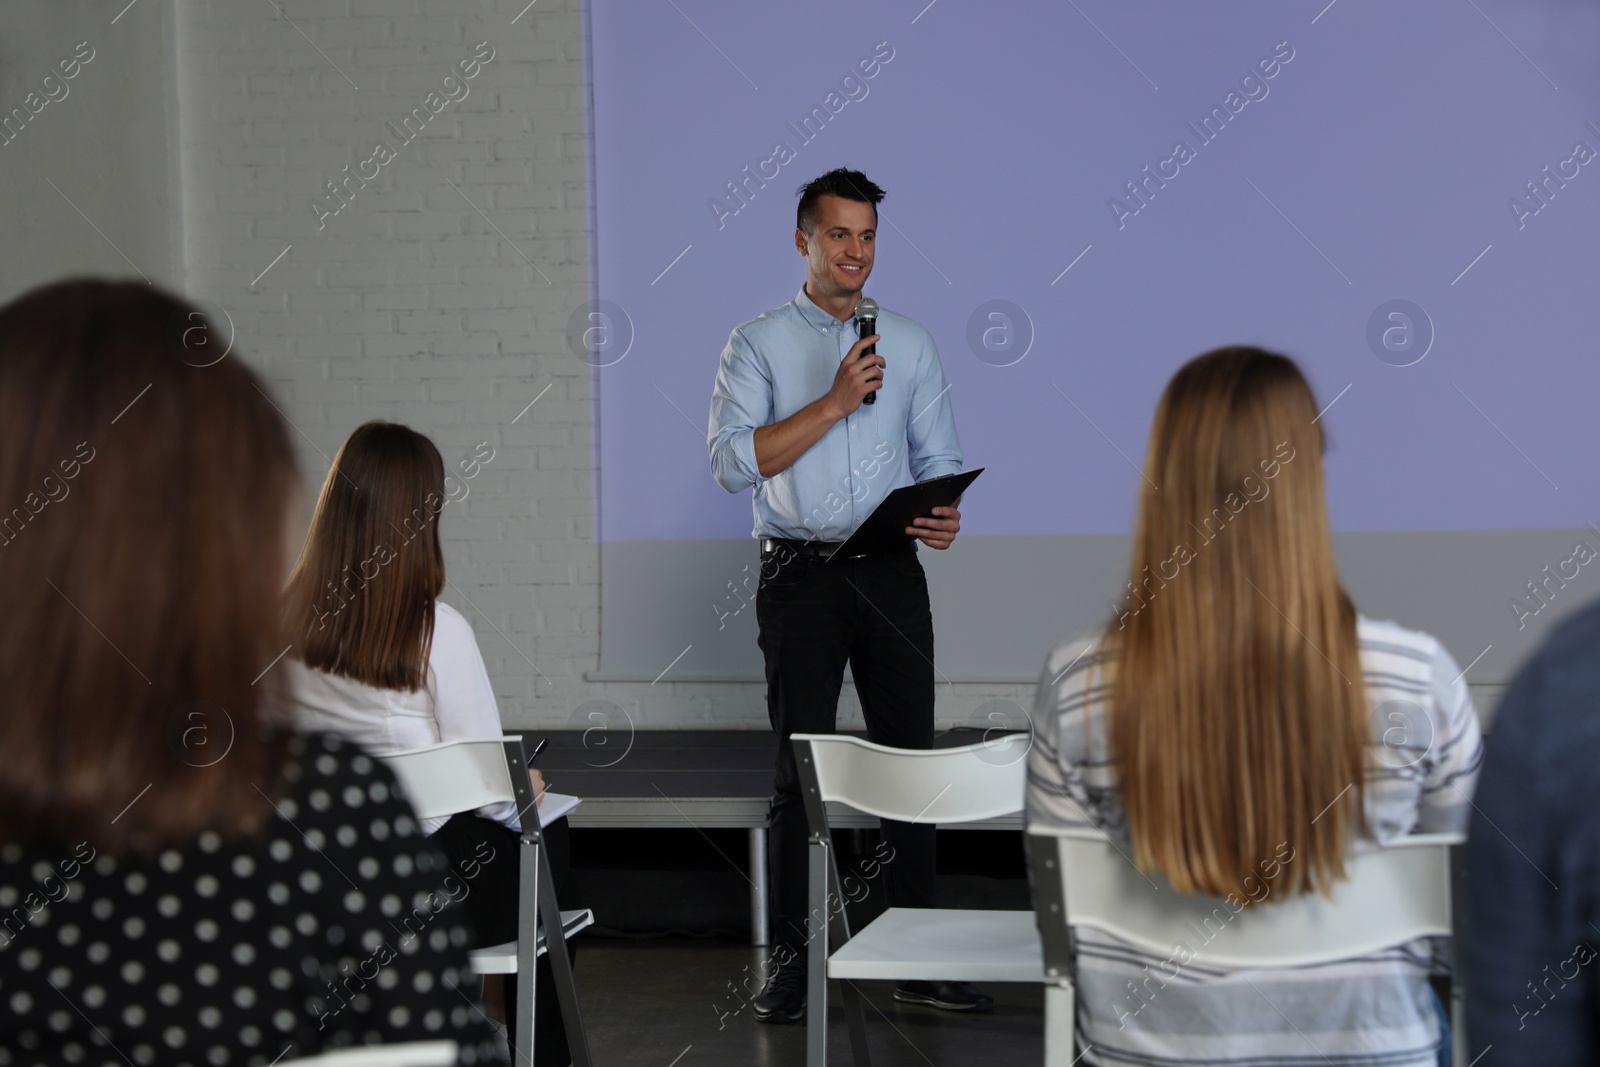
(457, 703)
(1367, 1011)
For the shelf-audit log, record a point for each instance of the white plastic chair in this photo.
(405, 1054)
(1391, 895)
(456, 776)
(951, 785)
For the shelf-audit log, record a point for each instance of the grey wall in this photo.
(88, 184)
(1000, 603)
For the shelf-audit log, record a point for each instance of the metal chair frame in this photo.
(826, 888)
(537, 907)
(1305, 930)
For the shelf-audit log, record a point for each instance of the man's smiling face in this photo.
(839, 246)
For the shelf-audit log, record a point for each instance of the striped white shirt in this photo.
(1369, 1011)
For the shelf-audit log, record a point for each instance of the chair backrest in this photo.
(403, 1054)
(940, 785)
(1391, 895)
(454, 776)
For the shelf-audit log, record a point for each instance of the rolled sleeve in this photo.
(935, 449)
(741, 400)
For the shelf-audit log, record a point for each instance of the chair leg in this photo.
(760, 917)
(1458, 1021)
(561, 971)
(817, 957)
(532, 880)
(1060, 1024)
(838, 935)
(856, 1023)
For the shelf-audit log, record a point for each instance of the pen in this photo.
(538, 750)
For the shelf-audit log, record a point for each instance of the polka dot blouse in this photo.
(330, 928)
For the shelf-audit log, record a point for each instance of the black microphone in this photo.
(867, 325)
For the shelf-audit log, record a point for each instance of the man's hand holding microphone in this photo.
(857, 378)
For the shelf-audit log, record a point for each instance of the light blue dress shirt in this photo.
(782, 360)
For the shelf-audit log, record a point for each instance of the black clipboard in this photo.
(885, 528)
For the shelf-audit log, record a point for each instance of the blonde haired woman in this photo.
(1240, 729)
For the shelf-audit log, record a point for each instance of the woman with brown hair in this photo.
(183, 878)
(380, 659)
(1240, 729)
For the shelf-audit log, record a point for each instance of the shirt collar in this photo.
(812, 313)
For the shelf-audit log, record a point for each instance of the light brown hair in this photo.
(140, 574)
(361, 598)
(1238, 717)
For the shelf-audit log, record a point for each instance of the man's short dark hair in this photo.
(841, 182)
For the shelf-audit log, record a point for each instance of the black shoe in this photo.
(783, 999)
(946, 996)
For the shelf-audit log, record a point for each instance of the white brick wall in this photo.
(408, 305)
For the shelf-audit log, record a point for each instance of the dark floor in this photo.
(671, 1002)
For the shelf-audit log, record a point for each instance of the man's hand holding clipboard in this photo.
(939, 528)
(926, 511)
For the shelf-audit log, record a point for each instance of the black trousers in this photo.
(816, 616)
(484, 855)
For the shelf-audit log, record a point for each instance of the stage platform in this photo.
(700, 779)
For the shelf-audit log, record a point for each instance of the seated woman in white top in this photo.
(456, 703)
(1238, 728)
(381, 660)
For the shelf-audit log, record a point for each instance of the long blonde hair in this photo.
(1238, 711)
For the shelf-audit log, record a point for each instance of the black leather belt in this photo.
(772, 546)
